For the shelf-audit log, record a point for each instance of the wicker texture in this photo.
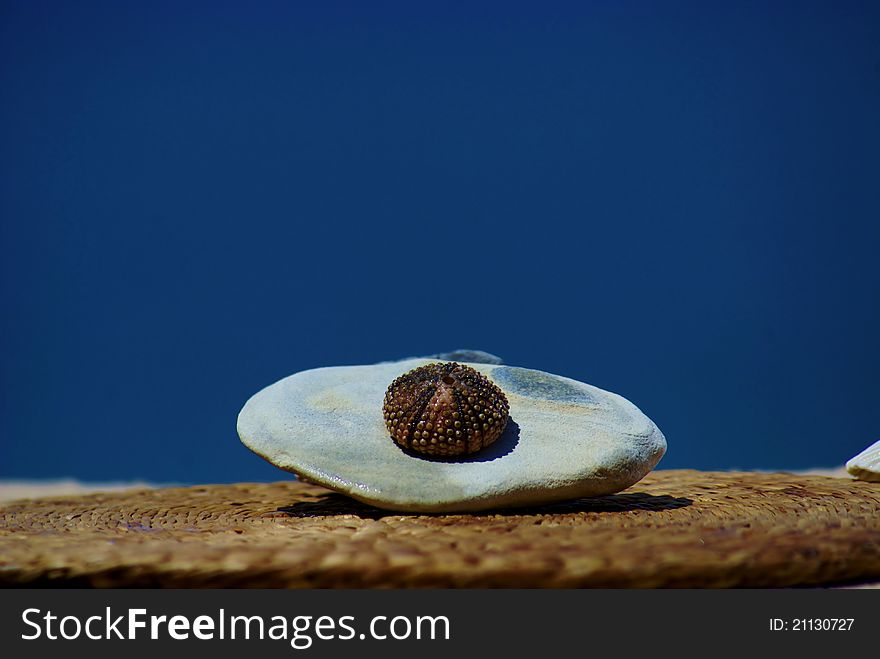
(675, 528)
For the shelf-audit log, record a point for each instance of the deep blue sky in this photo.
(679, 202)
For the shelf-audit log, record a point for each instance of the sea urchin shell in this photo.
(444, 410)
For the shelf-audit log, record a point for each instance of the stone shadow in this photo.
(332, 503)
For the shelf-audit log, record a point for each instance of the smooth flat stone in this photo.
(469, 356)
(866, 465)
(462, 356)
(565, 439)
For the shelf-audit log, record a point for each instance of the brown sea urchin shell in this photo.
(445, 410)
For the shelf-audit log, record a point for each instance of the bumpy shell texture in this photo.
(445, 409)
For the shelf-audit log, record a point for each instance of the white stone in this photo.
(565, 439)
(866, 465)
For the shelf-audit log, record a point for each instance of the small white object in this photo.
(866, 465)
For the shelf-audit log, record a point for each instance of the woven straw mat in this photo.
(676, 528)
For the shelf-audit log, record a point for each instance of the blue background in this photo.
(679, 202)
